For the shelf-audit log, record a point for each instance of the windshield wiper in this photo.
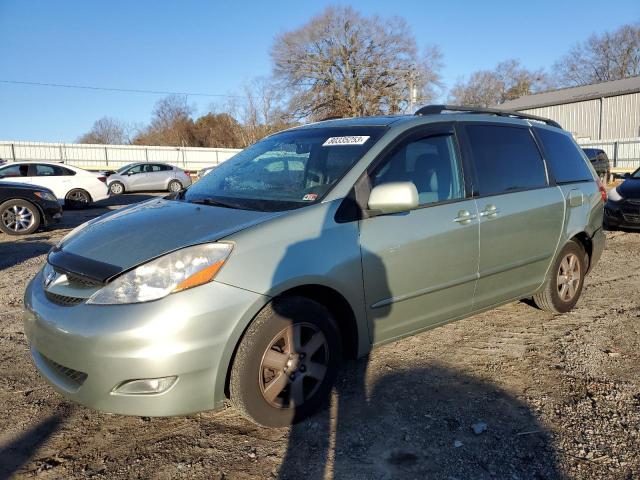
(214, 203)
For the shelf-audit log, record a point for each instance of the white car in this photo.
(73, 186)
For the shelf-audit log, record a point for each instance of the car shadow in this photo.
(13, 252)
(410, 422)
(435, 423)
(18, 452)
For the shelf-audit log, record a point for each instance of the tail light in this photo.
(603, 191)
(103, 179)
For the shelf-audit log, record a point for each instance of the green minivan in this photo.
(309, 247)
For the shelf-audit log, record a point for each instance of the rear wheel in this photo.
(286, 362)
(19, 217)
(175, 186)
(77, 198)
(565, 282)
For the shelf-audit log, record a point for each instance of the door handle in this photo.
(464, 217)
(489, 211)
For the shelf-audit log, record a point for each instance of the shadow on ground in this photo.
(420, 424)
(19, 451)
(14, 252)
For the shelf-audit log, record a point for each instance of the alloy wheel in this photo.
(294, 365)
(18, 218)
(569, 277)
(78, 197)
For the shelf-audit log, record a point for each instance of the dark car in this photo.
(600, 161)
(622, 209)
(24, 208)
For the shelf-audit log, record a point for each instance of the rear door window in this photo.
(563, 157)
(51, 171)
(506, 159)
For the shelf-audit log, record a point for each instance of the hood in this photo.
(133, 235)
(630, 188)
(25, 186)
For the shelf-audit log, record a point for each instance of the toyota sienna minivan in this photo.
(313, 245)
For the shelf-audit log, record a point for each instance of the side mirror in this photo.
(627, 175)
(393, 197)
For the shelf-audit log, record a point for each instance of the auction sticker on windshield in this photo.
(351, 140)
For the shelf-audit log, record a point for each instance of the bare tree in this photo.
(507, 81)
(342, 63)
(107, 131)
(609, 56)
(171, 124)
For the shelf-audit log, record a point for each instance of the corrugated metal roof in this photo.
(574, 94)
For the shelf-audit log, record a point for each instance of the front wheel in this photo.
(19, 217)
(286, 363)
(116, 188)
(565, 281)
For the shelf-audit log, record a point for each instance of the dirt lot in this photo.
(548, 396)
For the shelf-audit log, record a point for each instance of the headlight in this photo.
(174, 272)
(614, 195)
(46, 196)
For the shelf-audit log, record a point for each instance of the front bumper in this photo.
(52, 213)
(622, 215)
(84, 351)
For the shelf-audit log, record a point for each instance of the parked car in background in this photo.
(622, 209)
(140, 177)
(24, 208)
(73, 186)
(600, 162)
(206, 171)
(314, 244)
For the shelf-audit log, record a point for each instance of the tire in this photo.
(267, 376)
(174, 186)
(116, 188)
(19, 217)
(77, 198)
(563, 290)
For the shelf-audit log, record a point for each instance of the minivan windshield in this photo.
(286, 170)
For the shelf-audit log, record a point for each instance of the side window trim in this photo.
(550, 177)
(471, 164)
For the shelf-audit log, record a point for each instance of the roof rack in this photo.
(437, 109)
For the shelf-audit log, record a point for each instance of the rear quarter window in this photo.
(563, 157)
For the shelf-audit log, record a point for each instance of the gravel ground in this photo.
(514, 393)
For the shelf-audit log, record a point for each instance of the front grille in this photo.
(74, 377)
(63, 300)
(633, 201)
(631, 218)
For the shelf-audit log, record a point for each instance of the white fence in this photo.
(97, 157)
(623, 153)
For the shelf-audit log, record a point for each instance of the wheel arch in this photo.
(75, 189)
(584, 240)
(331, 299)
(35, 204)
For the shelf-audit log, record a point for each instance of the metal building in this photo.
(602, 111)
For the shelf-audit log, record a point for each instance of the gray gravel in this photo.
(514, 393)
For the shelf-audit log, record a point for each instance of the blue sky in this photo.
(216, 47)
